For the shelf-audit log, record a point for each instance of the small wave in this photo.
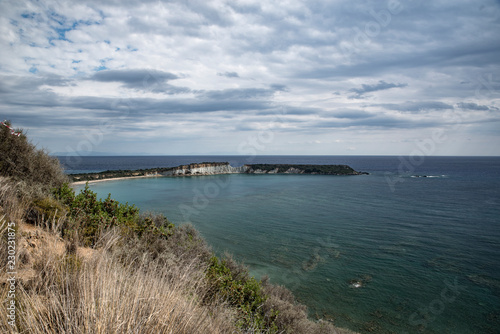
(356, 285)
(359, 282)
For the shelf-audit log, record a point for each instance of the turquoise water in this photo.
(424, 253)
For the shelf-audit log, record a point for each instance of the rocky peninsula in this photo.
(214, 168)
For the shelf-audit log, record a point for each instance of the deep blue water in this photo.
(426, 250)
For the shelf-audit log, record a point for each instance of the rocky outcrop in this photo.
(212, 168)
(208, 168)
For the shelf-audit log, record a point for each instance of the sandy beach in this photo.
(113, 179)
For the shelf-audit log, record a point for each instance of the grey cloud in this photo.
(24, 92)
(177, 27)
(29, 119)
(282, 110)
(472, 106)
(187, 106)
(352, 114)
(17, 84)
(241, 93)
(3, 88)
(138, 78)
(377, 122)
(168, 89)
(466, 54)
(229, 74)
(201, 14)
(211, 12)
(279, 88)
(147, 106)
(415, 107)
(381, 85)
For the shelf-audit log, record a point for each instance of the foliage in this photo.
(22, 161)
(241, 291)
(46, 211)
(309, 169)
(91, 216)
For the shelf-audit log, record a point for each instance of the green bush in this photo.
(241, 291)
(46, 211)
(92, 215)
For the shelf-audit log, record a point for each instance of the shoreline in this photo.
(77, 183)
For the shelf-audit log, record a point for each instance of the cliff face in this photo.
(205, 169)
(256, 170)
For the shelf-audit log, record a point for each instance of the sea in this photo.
(413, 247)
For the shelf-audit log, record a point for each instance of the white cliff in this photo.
(206, 169)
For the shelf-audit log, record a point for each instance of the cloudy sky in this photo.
(331, 77)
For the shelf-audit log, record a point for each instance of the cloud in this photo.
(228, 74)
(134, 78)
(375, 122)
(472, 106)
(241, 93)
(352, 114)
(417, 107)
(381, 85)
(142, 79)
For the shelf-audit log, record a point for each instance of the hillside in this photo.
(73, 263)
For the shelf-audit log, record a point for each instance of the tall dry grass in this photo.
(12, 205)
(127, 286)
(102, 295)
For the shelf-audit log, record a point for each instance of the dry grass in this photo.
(61, 291)
(102, 295)
(10, 203)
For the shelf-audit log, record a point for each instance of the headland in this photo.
(215, 168)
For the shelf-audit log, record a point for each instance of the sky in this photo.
(251, 77)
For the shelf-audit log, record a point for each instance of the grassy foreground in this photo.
(85, 265)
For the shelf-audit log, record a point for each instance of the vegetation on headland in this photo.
(307, 169)
(89, 265)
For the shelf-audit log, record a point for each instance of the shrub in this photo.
(22, 161)
(90, 216)
(47, 212)
(242, 292)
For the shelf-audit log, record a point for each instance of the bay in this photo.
(425, 251)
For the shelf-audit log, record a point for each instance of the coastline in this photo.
(214, 168)
(112, 179)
